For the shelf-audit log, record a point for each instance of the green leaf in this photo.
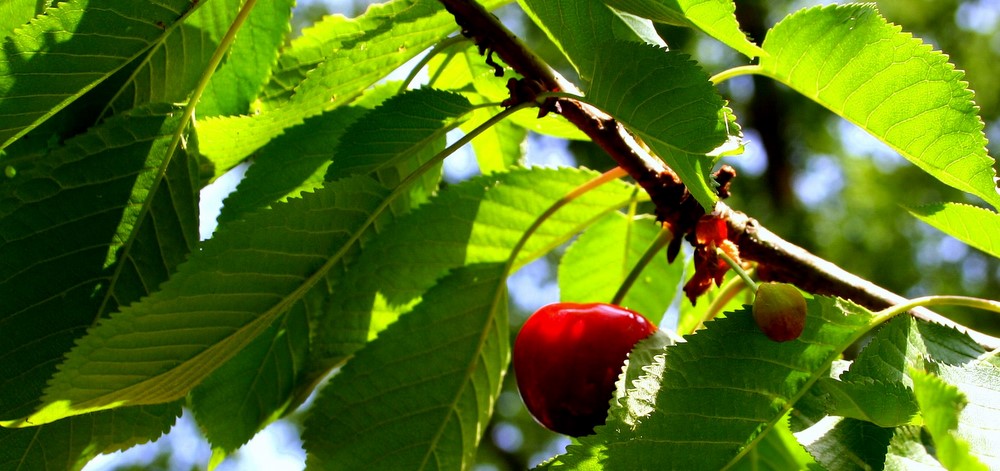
(222, 298)
(852, 445)
(296, 162)
(15, 13)
(713, 397)
(647, 88)
(941, 404)
(421, 394)
(396, 129)
(717, 18)
(239, 80)
(476, 221)
(850, 60)
(594, 267)
(580, 27)
(975, 226)
(50, 62)
(71, 443)
(979, 384)
(251, 389)
(883, 404)
(908, 450)
(778, 451)
(76, 245)
(342, 58)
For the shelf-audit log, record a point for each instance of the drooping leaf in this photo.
(714, 397)
(251, 389)
(71, 443)
(420, 395)
(80, 206)
(941, 404)
(296, 161)
(850, 60)
(667, 100)
(594, 267)
(395, 130)
(476, 221)
(50, 62)
(223, 297)
(580, 27)
(239, 80)
(717, 18)
(975, 226)
(852, 444)
(361, 52)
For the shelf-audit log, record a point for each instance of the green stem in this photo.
(926, 301)
(729, 290)
(444, 44)
(735, 72)
(601, 179)
(738, 269)
(572, 96)
(661, 241)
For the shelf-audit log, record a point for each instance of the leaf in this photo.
(253, 388)
(14, 13)
(907, 450)
(580, 27)
(75, 245)
(296, 161)
(717, 18)
(941, 404)
(883, 404)
(979, 384)
(50, 62)
(395, 130)
(71, 443)
(648, 89)
(778, 450)
(975, 226)
(714, 397)
(593, 268)
(362, 51)
(852, 444)
(239, 80)
(421, 394)
(476, 221)
(222, 298)
(850, 60)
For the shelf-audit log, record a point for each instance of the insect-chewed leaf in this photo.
(850, 60)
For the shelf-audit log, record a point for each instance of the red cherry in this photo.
(567, 358)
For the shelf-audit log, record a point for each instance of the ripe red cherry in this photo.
(567, 358)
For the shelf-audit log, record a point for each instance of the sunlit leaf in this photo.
(715, 17)
(850, 60)
(941, 404)
(975, 226)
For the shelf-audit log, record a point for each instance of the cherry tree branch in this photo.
(778, 259)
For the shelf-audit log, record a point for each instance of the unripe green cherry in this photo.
(780, 311)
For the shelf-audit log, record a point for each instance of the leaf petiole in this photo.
(661, 241)
(738, 269)
(926, 301)
(735, 72)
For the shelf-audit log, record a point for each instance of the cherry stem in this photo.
(738, 269)
(444, 44)
(661, 241)
(925, 301)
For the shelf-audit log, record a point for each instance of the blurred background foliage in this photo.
(807, 175)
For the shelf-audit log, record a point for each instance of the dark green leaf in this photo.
(421, 394)
(852, 445)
